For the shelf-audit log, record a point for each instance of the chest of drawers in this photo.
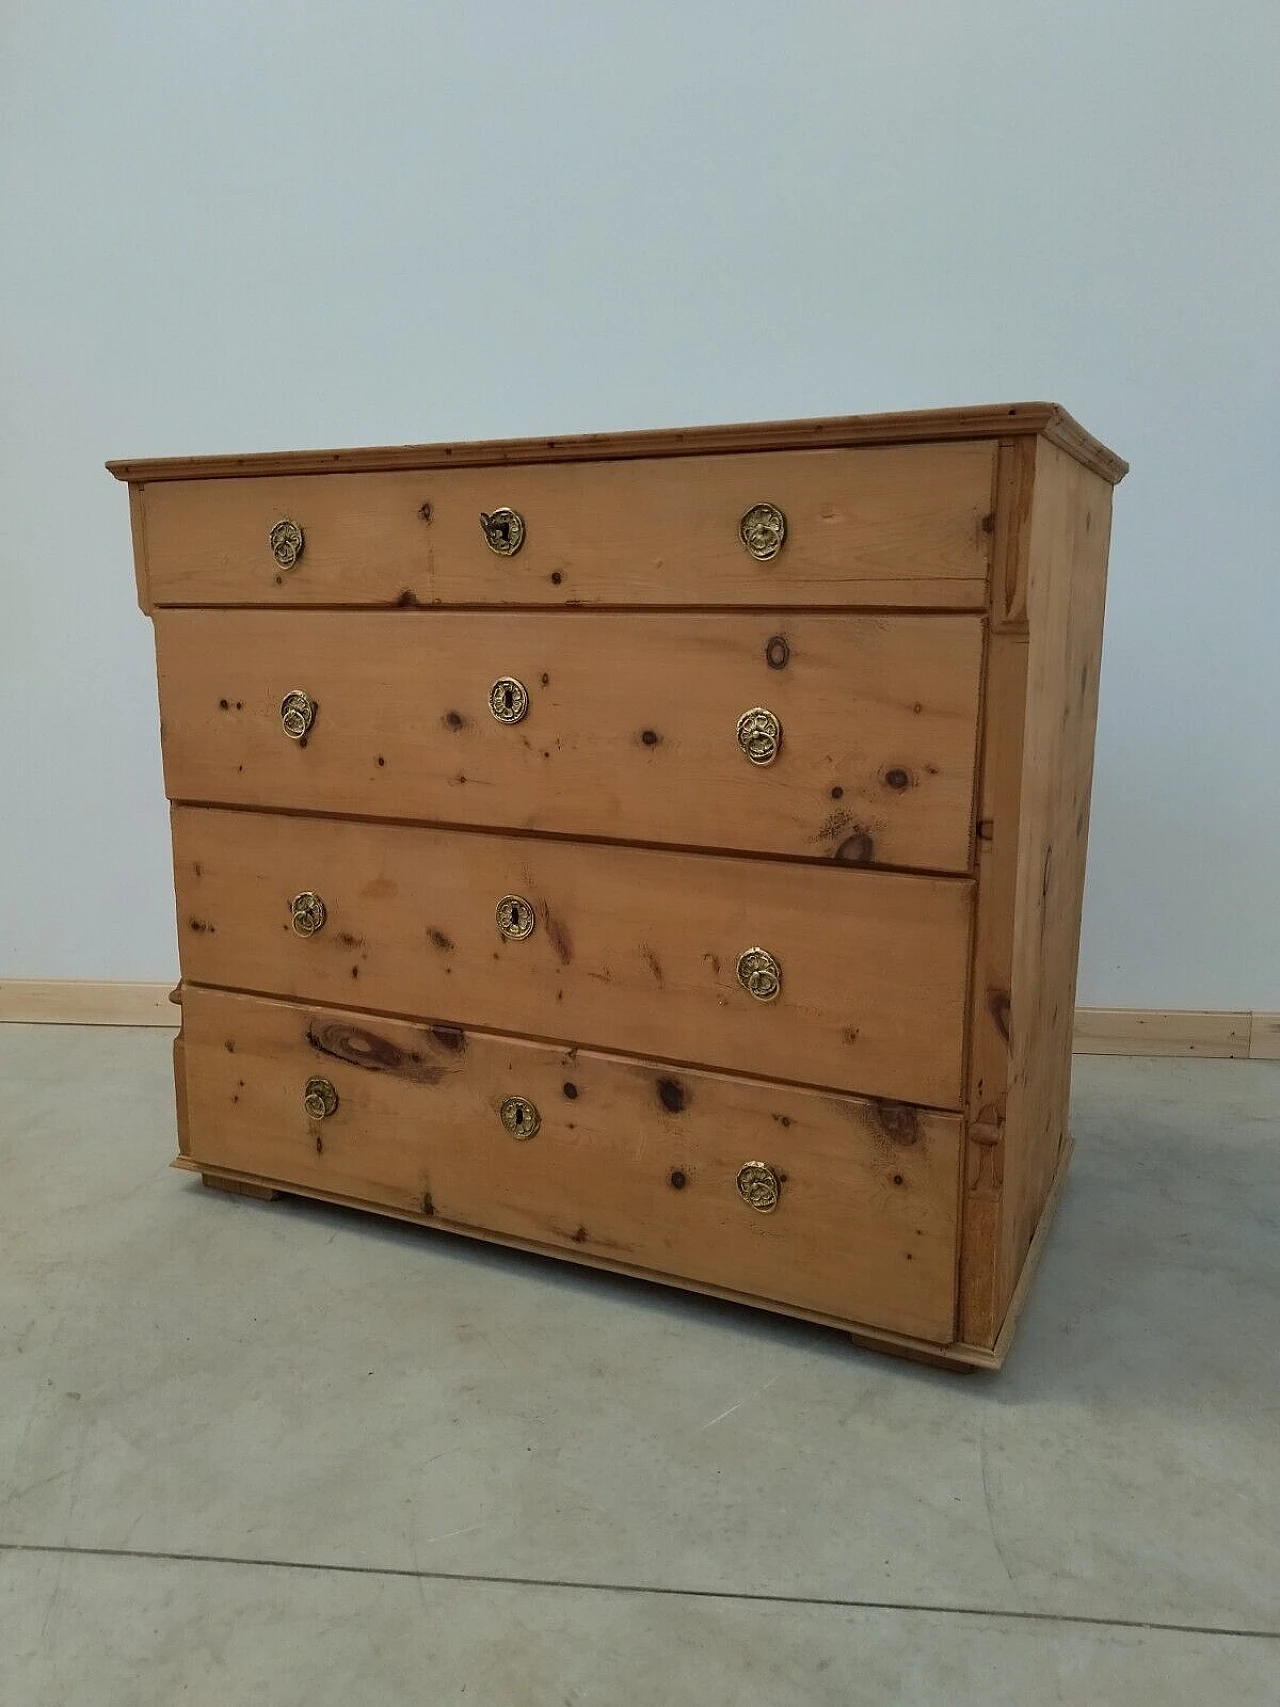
(663, 851)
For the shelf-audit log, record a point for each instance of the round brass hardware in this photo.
(759, 974)
(515, 917)
(319, 1099)
(763, 530)
(308, 912)
(287, 543)
(297, 714)
(508, 699)
(503, 531)
(520, 1117)
(759, 1186)
(760, 735)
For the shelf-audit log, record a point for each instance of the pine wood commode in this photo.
(663, 851)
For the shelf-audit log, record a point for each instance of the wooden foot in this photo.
(238, 1187)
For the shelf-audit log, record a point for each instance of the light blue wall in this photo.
(267, 226)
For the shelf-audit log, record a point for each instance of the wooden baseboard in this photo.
(1236, 1036)
(1264, 1038)
(73, 1002)
(1239, 1036)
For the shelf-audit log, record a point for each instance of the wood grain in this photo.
(905, 525)
(984, 421)
(933, 625)
(633, 949)
(631, 1161)
(630, 732)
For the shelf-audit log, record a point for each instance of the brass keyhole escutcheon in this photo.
(508, 699)
(319, 1099)
(520, 1117)
(759, 1186)
(503, 531)
(297, 714)
(515, 917)
(287, 542)
(760, 735)
(308, 913)
(763, 531)
(759, 974)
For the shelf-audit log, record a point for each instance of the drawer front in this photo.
(628, 948)
(631, 1162)
(631, 728)
(905, 524)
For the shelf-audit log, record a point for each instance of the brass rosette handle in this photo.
(287, 543)
(320, 1099)
(297, 713)
(763, 531)
(760, 974)
(759, 1187)
(760, 735)
(307, 913)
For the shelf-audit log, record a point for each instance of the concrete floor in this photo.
(279, 1453)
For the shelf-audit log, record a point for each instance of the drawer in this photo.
(629, 948)
(630, 1162)
(631, 728)
(901, 524)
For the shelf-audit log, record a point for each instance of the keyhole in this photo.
(504, 532)
(519, 1117)
(506, 699)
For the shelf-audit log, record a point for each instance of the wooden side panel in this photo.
(630, 733)
(631, 1162)
(632, 949)
(906, 525)
(1070, 535)
(1033, 819)
(991, 1060)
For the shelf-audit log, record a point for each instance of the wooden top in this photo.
(996, 420)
